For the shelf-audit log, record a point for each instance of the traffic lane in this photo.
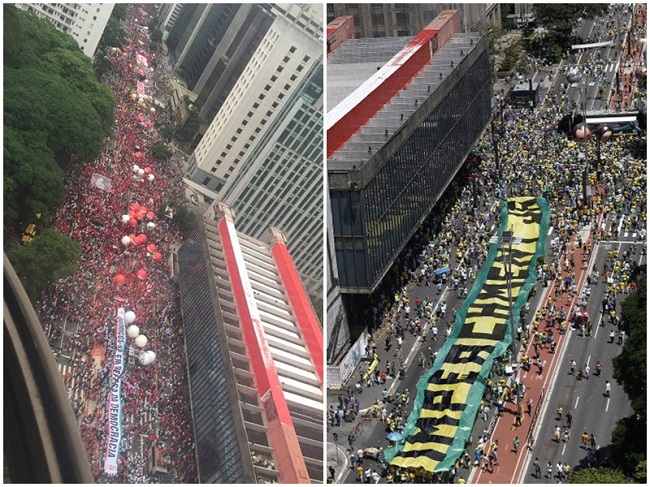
(591, 410)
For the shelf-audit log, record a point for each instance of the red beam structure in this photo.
(289, 459)
(299, 301)
(360, 106)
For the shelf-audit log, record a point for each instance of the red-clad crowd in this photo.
(155, 397)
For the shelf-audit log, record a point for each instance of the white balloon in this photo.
(151, 177)
(151, 225)
(141, 341)
(129, 317)
(135, 168)
(133, 331)
(126, 240)
(140, 172)
(147, 358)
(125, 218)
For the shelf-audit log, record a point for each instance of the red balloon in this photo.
(120, 279)
(136, 241)
(135, 207)
(149, 125)
(138, 155)
(151, 215)
(132, 237)
(140, 117)
(151, 248)
(157, 257)
(147, 170)
(132, 213)
(143, 238)
(141, 274)
(141, 215)
(133, 222)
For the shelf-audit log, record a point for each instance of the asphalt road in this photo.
(592, 411)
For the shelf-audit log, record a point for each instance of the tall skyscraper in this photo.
(255, 357)
(262, 153)
(85, 22)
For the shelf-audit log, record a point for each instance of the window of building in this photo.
(305, 59)
(267, 87)
(228, 147)
(275, 104)
(255, 105)
(286, 59)
(249, 114)
(244, 122)
(241, 154)
(273, 78)
(269, 113)
(300, 68)
(280, 69)
(262, 96)
(223, 154)
(292, 49)
(246, 146)
(226, 176)
(287, 86)
(257, 131)
(293, 77)
(206, 181)
(280, 96)
(214, 169)
(263, 122)
(231, 168)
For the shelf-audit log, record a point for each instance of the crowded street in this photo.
(115, 208)
(571, 315)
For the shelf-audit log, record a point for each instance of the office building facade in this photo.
(262, 153)
(255, 357)
(85, 22)
(397, 135)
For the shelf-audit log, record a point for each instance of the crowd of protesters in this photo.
(155, 397)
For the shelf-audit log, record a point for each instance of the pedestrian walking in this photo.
(560, 413)
(572, 365)
(515, 444)
(585, 440)
(569, 419)
(598, 368)
(530, 406)
(586, 371)
(537, 468)
(549, 470)
(608, 388)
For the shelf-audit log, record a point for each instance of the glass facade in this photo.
(373, 223)
(218, 451)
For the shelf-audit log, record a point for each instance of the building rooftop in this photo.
(346, 64)
(355, 61)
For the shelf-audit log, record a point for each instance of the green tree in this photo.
(27, 38)
(560, 18)
(600, 475)
(33, 182)
(185, 219)
(119, 11)
(46, 105)
(51, 255)
(160, 152)
(641, 472)
(76, 69)
(633, 356)
(629, 443)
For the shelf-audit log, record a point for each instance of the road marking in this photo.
(577, 399)
(550, 231)
(588, 359)
(620, 226)
(607, 405)
(600, 318)
(563, 448)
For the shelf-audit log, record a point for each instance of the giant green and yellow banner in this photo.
(449, 394)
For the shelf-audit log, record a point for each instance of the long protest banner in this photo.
(449, 394)
(114, 403)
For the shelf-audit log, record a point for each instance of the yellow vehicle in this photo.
(29, 234)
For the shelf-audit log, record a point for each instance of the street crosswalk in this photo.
(75, 392)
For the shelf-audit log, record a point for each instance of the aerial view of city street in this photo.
(163, 182)
(487, 244)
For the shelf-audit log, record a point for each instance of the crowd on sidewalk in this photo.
(93, 217)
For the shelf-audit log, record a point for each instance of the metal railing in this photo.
(41, 435)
